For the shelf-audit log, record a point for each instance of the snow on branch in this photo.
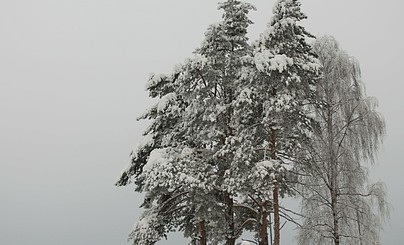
(266, 61)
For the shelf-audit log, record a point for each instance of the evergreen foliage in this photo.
(234, 123)
(188, 149)
(287, 76)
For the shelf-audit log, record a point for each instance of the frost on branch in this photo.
(344, 207)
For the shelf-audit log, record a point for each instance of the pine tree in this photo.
(183, 161)
(226, 50)
(339, 203)
(288, 72)
(152, 168)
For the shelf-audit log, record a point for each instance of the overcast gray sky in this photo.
(72, 78)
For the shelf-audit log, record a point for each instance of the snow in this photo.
(177, 69)
(283, 6)
(279, 62)
(163, 103)
(165, 168)
(287, 21)
(261, 58)
(159, 170)
(144, 224)
(154, 79)
(269, 31)
(276, 62)
(266, 168)
(184, 178)
(198, 62)
(186, 152)
(147, 140)
(245, 73)
(266, 164)
(144, 231)
(178, 166)
(245, 96)
(220, 109)
(310, 66)
(157, 159)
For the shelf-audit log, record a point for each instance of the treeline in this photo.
(240, 125)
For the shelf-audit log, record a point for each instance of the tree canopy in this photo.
(239, 125)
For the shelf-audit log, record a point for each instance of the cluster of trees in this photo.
(240, 125)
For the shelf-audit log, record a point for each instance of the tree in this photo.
(287, 75)
(339, 204)
(182, 162)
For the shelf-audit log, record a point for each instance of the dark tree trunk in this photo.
(263, 232)
(202, 233)
(230, 239)
(277, 226)
(275, 191)
(336, 225)
(333, 178)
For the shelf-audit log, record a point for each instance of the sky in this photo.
(72, 83)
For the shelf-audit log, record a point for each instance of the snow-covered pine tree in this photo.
(287, 76)
(339, 204)
(229, 60)
(182, 163)
(226, 49)
(174, 165)
(151, 167)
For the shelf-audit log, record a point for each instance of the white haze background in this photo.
(72, 78)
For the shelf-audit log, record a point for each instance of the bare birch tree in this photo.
(339, 204)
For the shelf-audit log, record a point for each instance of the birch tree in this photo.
(339, 204)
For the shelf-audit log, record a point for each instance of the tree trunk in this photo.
(275, 191)
(230, 239)
(333, 178)
(271, 237)
(359, 227)
(335, 218)
(277, 225)
(202, 233)
(263, 233)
